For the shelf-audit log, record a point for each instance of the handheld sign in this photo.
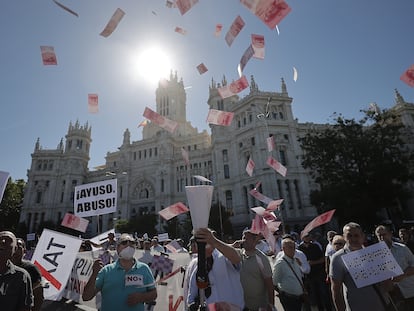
(54, 253)
(95, 198)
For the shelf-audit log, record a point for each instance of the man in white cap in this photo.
(126, 284)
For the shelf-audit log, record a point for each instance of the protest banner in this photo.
(169, 287)
(95, 198)
(54, 253)
(371, 264)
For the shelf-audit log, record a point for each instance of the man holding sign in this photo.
(125, 284)
(345, 294)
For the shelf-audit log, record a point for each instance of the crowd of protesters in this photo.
(302, 272)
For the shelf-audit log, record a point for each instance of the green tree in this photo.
(11, 204)
(360, 166)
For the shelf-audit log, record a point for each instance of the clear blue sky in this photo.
(347, 53)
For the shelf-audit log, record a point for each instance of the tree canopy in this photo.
(360, 167)
(11, 204)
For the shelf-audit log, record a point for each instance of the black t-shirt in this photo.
(313, 252)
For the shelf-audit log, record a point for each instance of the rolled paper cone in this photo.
(199, 202)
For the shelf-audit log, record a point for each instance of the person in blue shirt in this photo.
(126, 284)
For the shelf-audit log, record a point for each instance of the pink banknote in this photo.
(66, 8)
(250, 167)
(233, 88)
(278, 167)
(271, 12)
(318, 221)
(48, 55)
(93, 103)
(219, 27)
(75, 222)
(220, 117)
(258, 44)
(185, 5)
(270, 143)
(180, 30)
(161, 121)
(173, 210)
(245, 59)
(408, 76)
(261, 197)
(113, 23)
(184, 154)
(202, 68)
(234, 30)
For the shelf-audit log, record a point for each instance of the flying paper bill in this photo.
(202, 178)
(184, 154)
(262, 198)
(66, 8)
(270, 143)
(258, 44)
(185, 5)
(48, 55)
(408, 76)
(219, 27)
(278, 167)
(173, 210)
(317, 221)
(234, 30)
(113, 23)
(180, 30)
(271, 12)
(219, 117)
(295, 74)
(267, 215)
(202, 68)
(233, 88)
(75, 222)
(250, 167)
(93, 103)
(274, 205)
(160, 120)
(143, 123)
(245, 59)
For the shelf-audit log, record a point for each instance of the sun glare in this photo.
(153, 64)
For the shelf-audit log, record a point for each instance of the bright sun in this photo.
(153, 64)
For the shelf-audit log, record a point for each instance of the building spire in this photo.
(37, 145)
(253, 85)
(399, 100)
(284, 89)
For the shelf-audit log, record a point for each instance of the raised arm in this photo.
(207, 236)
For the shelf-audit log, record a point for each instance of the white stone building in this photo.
(152, 173)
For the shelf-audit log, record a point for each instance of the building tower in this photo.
(53, 175)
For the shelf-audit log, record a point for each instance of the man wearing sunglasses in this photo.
(126, 284)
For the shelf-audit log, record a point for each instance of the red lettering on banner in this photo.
(177, 303)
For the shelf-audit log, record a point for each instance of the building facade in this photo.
(152, 173)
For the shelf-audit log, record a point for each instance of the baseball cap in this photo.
(125, 237)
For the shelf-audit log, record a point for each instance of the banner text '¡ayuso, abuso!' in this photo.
(96, 204)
